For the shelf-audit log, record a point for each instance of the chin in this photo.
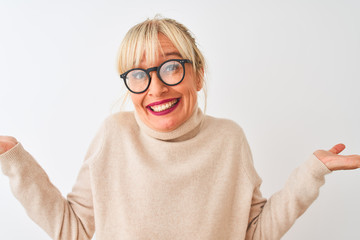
(167, 127)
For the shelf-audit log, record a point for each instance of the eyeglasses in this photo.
(170, 72)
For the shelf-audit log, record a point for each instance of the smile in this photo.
(163, 107)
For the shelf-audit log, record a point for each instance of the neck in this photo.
(185, 131)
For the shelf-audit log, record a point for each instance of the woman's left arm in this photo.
(271, 219)
(333, 161)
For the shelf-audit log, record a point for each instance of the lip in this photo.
(161, 102)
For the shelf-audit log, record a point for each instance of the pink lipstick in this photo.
(163, 107)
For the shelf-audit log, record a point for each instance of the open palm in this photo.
(333, 161)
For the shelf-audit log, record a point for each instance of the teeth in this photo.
(165, 106)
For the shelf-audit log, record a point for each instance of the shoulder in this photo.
(118, 124)
(223, 126)
(120, 119)
(231, 138)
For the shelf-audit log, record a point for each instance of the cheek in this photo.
(192, 89)
(190, 85)
(136, 99)
(190, 95)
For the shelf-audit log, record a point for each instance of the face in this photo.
(161, 107)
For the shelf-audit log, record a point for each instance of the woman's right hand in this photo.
(7, 143)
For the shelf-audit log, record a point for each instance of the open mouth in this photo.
(163, 107)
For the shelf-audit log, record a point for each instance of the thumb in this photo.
(338, 148)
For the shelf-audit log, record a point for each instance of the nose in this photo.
(157, 87)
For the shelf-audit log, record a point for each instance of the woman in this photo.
(166, 171)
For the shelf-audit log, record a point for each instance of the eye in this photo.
(138, 75)
(171, 67)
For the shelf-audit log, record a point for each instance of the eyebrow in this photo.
(172, 53)
(166, 55)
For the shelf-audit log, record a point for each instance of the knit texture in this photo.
(197, 182)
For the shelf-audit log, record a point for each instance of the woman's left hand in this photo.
(333, 161)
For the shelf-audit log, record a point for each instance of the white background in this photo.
(287, 71)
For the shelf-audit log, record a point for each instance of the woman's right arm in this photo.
(61, 218)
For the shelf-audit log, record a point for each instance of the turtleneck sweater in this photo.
(197, 182)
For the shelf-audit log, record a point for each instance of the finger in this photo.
(344, 163)
(338, 148)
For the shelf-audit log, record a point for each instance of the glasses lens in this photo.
(137, 80)
(172, 72)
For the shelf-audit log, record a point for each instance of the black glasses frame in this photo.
(147, 71)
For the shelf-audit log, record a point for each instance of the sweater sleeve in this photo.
(61, 218)
(272, 218)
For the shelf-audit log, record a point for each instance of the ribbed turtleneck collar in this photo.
(185, 131)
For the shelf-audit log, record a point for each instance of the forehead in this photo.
(165, 42)
(164, 49)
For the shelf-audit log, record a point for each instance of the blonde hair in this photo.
(142, 41)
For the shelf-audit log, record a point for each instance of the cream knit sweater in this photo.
(197, 182)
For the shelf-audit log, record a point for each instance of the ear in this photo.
(200, 79)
